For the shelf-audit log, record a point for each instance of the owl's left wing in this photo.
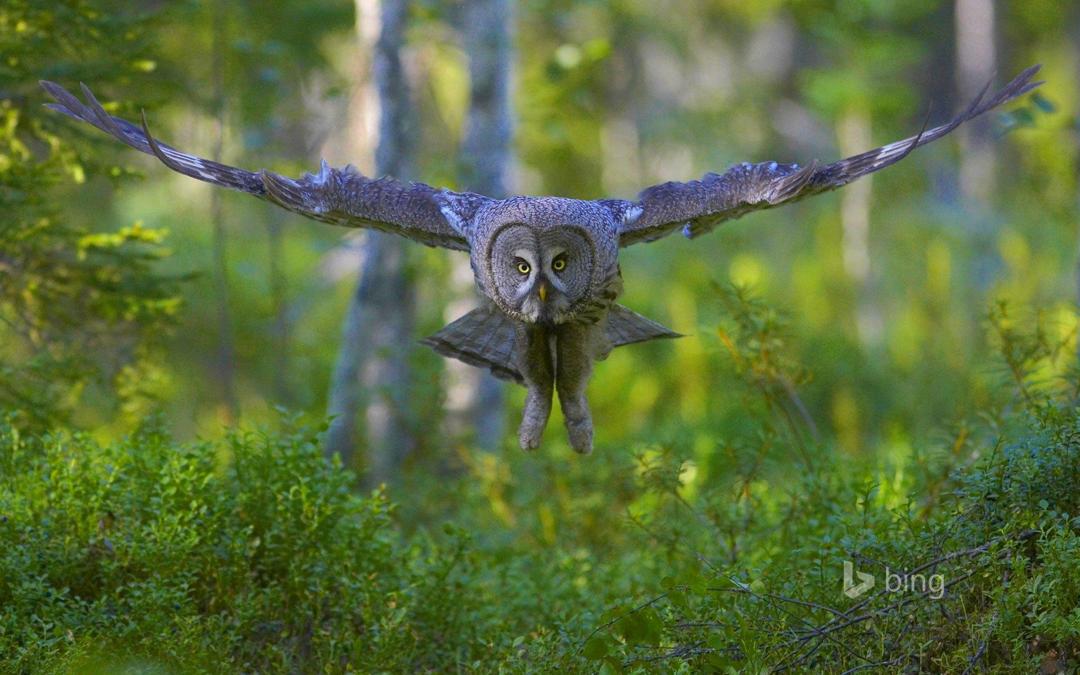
(338, 196)
(699, 206)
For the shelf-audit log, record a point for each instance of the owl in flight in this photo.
(547, 267)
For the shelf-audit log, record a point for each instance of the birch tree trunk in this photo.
(372, 370)
(854, 135)
(976, 61)
(226, 352)
(279, 307)
(473, 395)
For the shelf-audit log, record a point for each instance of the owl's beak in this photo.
(542, 291)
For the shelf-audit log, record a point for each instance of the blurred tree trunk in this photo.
(474, 395)
(279, 307)
(226, 352)
(976, 62)
(854, 136)
(372, 369)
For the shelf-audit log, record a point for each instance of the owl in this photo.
(547, 268)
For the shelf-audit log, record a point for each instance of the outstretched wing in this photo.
(698, 206)
(339, 196)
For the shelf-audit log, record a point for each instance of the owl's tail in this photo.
(485, 338)
(627, 327)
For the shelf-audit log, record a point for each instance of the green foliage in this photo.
(251, 552)
(751, 580)
(76, 306)
(254, 552)
(736, 469)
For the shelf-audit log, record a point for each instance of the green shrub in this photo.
(755, 562)
(83, 299)
(252, 553)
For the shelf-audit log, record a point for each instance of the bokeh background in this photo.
(862, 330)
(887, 285)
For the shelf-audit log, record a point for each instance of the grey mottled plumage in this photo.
(548, 267)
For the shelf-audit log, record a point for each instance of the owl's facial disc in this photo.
(540, 273)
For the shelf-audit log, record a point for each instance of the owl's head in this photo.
(539, 274)
(539, 259)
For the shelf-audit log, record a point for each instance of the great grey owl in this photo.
(547, 267)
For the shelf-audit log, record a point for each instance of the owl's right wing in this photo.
(338, 196)
(696, 207)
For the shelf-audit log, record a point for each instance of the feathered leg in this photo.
(575, 347)
(533, 358)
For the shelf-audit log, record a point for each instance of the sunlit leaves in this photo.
(76, 302)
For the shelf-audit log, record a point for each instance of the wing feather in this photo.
(696, 207)
(339, 196)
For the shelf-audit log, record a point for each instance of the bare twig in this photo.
(619, 618)
(679, 652)
(879, 664)
(975, 658)
(783, 598)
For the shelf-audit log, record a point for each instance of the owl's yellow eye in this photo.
(559, 264)
(523, 267)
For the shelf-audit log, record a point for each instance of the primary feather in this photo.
(337, 196)
(696, 207)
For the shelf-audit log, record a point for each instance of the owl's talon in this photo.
(581, 435)
(529, 439)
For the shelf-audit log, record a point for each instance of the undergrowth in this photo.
(254, 555)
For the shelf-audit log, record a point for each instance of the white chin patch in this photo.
(554, 310)
(530, 309)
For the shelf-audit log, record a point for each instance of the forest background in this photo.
(885, 375)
